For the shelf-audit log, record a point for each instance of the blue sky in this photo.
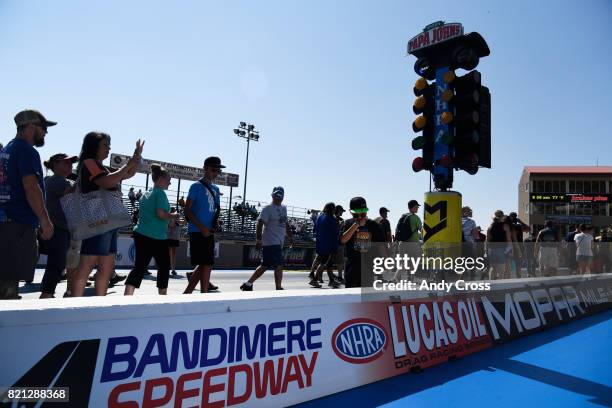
(328, 84)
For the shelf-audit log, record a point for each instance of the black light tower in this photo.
(248, 132)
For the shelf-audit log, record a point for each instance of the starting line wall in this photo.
(266, 349)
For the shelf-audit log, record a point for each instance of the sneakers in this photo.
(315, 283)
(116, 279)
(212, 288)
(334, 284)
(246, 288)
(174, 273)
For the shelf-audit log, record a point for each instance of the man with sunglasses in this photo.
(202, 212)
(272, 228)
(357, 235)
(22, 202)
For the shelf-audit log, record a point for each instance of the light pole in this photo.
(249, 133)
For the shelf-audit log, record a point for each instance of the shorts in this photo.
(272, 256)
(173, 243)
(584, 258)
(19, 251)
(201, 249)
(548, 258)
(497, 256)
(100, 245)
(73, 255)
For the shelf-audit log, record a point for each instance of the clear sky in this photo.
(327, 83)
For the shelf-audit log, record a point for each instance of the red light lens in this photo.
(418, 164)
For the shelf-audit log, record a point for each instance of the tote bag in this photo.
(94, 213)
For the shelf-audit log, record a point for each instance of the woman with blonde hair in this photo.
(151, 233)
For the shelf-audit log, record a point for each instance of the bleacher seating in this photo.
(234, 225)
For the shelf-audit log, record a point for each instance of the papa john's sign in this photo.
(434, 33)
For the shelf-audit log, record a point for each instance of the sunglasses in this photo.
(362, 215)
(215, 170)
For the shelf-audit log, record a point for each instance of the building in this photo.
(566, 195)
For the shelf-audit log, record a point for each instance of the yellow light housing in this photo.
(446, 117)
(420, 84)
(449, 76)
(447, 95)
(419, 122)
(420, 102)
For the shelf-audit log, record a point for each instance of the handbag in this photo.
(94, 213)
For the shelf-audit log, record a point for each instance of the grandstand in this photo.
(239, 222)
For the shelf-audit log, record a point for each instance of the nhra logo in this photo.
(359, 341)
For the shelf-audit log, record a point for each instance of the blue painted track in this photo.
(566, 366)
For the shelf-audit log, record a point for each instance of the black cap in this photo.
(340, 208)
(383, 209)
(32, 117)
(213, 161)
(412, 203)
(58, 157)
(358, 205)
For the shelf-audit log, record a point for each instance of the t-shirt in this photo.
(415, 225)
(326, 234)
(518, 229)
(91, 170)
(467, 226)
(18, 160)
(361, 241)
(385, 226)
(149, 224)
(56, 188)
(583, 244)
(203, 205)
(174, 230)
(274, 218)
(547, 237)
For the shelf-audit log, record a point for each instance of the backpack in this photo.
(403, 232)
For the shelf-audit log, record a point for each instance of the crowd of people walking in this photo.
(33, 216)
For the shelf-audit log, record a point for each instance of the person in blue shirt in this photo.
(326, 230)
(22, 202)
(202, 212)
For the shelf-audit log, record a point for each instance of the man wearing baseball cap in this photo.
(22, 202)
(272, 226)
(408, 233)
(56, 186)
(384, 223)
(357, 235)
(202, 211)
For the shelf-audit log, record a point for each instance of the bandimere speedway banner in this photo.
(266, 349)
